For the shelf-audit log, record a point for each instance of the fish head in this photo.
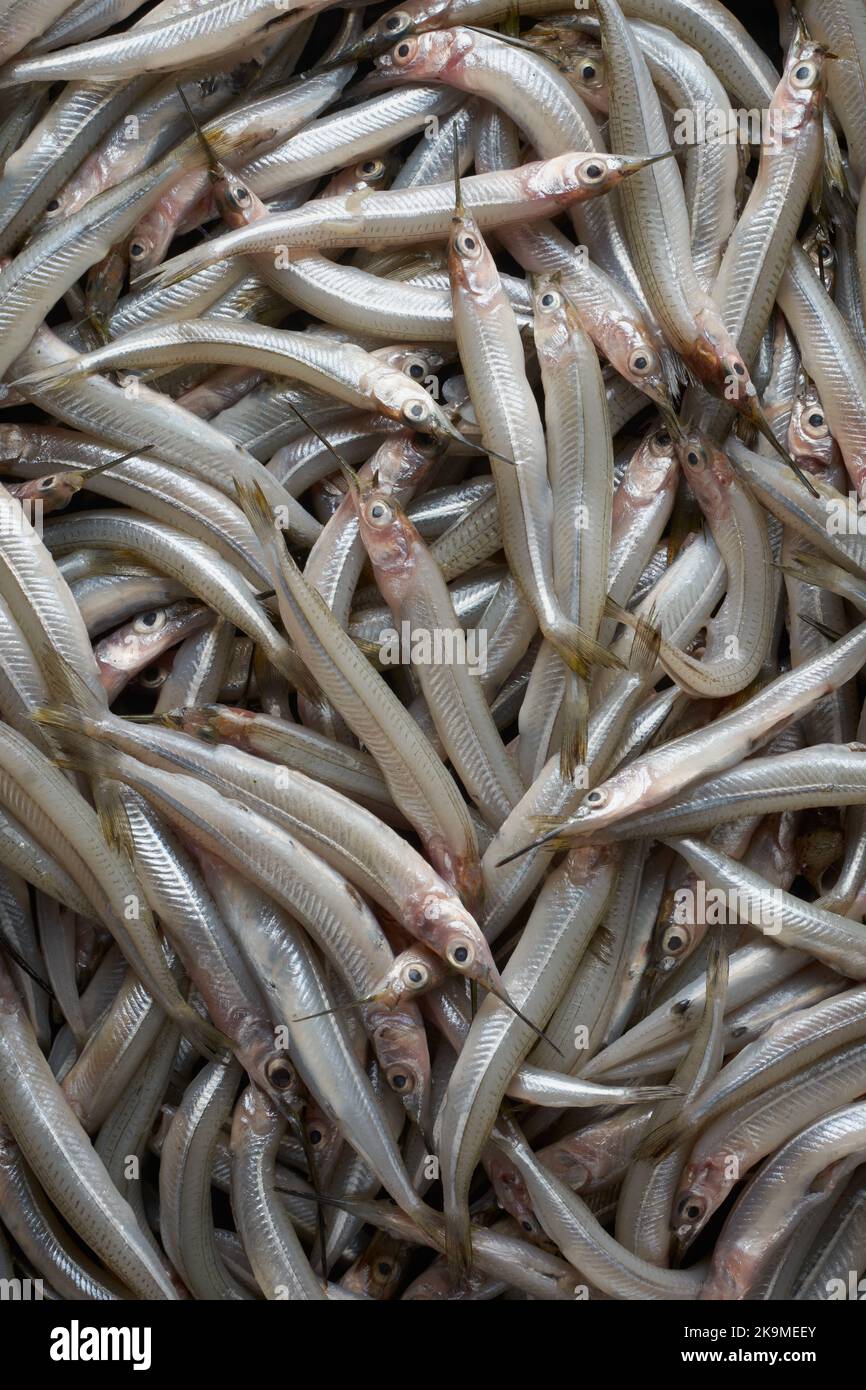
(367, 173)
(388, 535)
(512, 1194)
(53, 491)
(708, 472)
(586, 71)
(436, 54)
(275, 1074)
(799, 98)
(378, 1271)
(702, 1189)
(415, 971)
(400, 1042)
(810, 441)
(471, 267)
(236, 203)
(441, 922)
(551, 325)
(628, 345)
(324, 1138)
(388, 28)
(619, 796)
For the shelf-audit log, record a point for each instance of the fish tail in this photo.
(256, 508)
(646, 645)
(458, 1241)
(573, 749)
(660, 1142)
(65, 686)
(579, 652)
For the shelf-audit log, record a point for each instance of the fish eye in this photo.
(826, 253)
(460, 955)
(239, 196)
(695, 457)
(550, 300)
(314, 1136)
(674, 942)
(380, 513)
(591, 171)
(280, 1074)
(662, 439)
(467, 244)
(395, 22)
(371, 168)
(738, 368)
(137, 250)
(594, 798)
(425, 442)
(641, 361)
(53, 206)
(152, 621)
(588, 71)
(691, 1208)
(400, 1080)
(805, 75)
(816, 426)
(405, 51)
(46, 484)
(415, 370)
(152, 676)
(416, 975)
(415, 412)
(383, 1268)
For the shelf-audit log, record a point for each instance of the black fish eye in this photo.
(416, 976)
(547, 300)
(315, 1136)
(816, 420)
(148, 619)
(461, 954)
(136, 249)
(151, 674)
(280, 1075)
(802, 73)
(587, 71)
(47, 483)
(663, 439)
(402, 50)
(53, 205)
(674, 943)
(739, 369)
(393, 22)
(416, 371)
(640, 363)
(594, 171)
(398, 1081)
(693, 458)
(377, 511)
(383, 1268)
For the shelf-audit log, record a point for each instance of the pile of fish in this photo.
(432, 594)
